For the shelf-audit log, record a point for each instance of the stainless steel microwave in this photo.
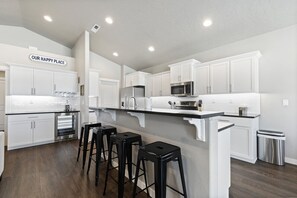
(182, 89)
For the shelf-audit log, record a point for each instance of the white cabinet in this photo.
(149, 86)
(93, 84)
(243, 138)
(201, 80)
(136, 79)
(43, 82)
(21, 80)
(244, 75)
(219, 77)
(161, 84)
(29, 130)
(182, 71)
(237, 74)
(65, 82)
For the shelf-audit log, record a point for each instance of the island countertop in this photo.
(168, 112)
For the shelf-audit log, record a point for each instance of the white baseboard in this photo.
(291, 161)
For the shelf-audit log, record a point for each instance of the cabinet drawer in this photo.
(246, 122)
(26, 117)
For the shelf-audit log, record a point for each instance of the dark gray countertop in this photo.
(169, 112)
(249, 115)
(43, 112)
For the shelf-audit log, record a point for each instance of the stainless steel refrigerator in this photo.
(128, 93)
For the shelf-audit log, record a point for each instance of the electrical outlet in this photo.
(285, 102)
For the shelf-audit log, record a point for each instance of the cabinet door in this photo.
(157, 85)
(166, 84)
(129, 80)
(219, 78)
(201, 80)
(19, 134)
(65, 82)
(135, 79)
(175, 74)
(240, 141)
(21, 80)
(241, 72)
(43, 82)
(186, 72)
(149, 86)
(94, 84)
(43, 131)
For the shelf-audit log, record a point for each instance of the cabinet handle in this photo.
(230, 86)
(31, 124)
(54, 87)
(209, 90)
(31, 91)
(160, 93)
(34, 124)
(34, 91)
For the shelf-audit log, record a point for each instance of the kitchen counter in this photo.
(249, 115)
(168, 112)
(204, 143)
(42, 112)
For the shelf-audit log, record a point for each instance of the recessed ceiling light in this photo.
(115, 54)
(108, 20)
(207, 22)
(48, 18)
(151, 48)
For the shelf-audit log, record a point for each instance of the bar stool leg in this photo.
(182, 176)
(129, 161)
(102, 149)
(80, 142)
(136, 175)
(107, 167)
(145, 179)
(160, 179)
(121, 173)
(86, 139)
(98, 154)
(91, 153)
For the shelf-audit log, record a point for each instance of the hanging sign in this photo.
(45, 59)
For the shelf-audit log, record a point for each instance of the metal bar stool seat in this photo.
(160, 153)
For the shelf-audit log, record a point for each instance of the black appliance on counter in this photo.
(66, 126)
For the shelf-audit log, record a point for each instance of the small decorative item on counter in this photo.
(199, 105)
(242, 111)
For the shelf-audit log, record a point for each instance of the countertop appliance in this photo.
(66, 126)
(129, 96)
(182, 89)
(186, 105)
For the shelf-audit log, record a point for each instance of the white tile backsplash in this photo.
(19, 104)
(218, 102)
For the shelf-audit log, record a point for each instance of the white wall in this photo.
(107, 68)
(22, 37)
(20, 55)
(278, 78)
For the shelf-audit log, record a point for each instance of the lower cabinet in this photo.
(29, 130)
(243, 138)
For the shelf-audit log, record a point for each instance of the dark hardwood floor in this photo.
(52, 171)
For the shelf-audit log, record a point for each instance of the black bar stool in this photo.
(124, 142)
(97, 139)
(160, 154)
(84, 139)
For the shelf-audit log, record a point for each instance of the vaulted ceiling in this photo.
(173, 27)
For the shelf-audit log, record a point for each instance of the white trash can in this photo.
(271, 147)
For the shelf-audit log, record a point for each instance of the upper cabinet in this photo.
(161, 84)
(149, 86)
(65, 82)
(182, 71)
(39, 82)
(136, 79)
(237, 74)
(29, 81)
(219, 77)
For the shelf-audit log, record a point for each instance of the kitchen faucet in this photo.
(135, 103)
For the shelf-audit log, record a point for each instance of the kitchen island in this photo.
(204, 142)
